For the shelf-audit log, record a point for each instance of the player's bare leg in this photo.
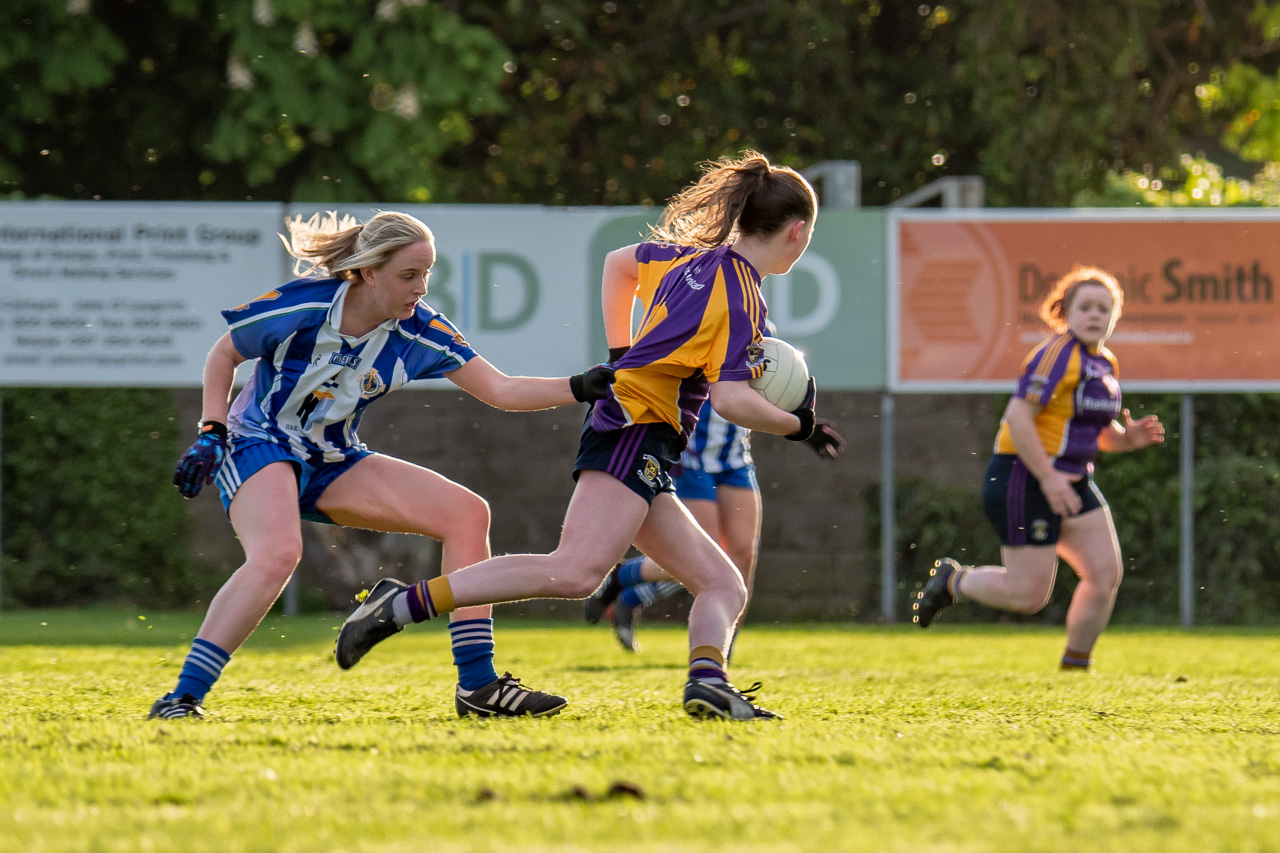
(1090, 546)
(739, 513)
(672, 537)
(264, 514)
(1022, 585)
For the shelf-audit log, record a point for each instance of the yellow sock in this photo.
(441, 595)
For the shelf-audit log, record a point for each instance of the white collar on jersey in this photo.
(335, 316)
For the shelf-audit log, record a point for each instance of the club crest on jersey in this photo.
(649, 473)
(371, 384)
(345, 359)
(1036, 385)
(755, 354)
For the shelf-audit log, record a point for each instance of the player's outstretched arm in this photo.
(490, 385)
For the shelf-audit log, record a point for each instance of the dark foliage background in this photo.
(576, 102)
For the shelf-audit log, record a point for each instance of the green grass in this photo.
(894, 739)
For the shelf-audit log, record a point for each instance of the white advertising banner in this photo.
(126, 293)
(515, 279)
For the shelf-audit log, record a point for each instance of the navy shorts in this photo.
(1019, 511)
(696, 485)
(248, 456)
(640, 455)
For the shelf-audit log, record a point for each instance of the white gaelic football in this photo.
(786, 376)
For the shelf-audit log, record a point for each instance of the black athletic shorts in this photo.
(640, 455)
(1019, 511)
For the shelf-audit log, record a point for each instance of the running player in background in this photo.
(745, 219)
(351, 329)
(1039, 491)
(716, 481)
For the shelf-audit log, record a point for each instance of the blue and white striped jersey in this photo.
(311, 383)
(716, 444)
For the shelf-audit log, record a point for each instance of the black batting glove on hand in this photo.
(616, 353)
(805, 413)
(200, 464)
(591, 385)
(825, 441)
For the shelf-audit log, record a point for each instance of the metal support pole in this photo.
(1, 498)
(291, 596)
(841, 183)
(1187, 509)
(888, 519)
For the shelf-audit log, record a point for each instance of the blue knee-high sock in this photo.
(644, 594)
(472, 641)
(629, 572)
(203, 666)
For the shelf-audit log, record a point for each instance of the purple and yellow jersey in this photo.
(1079, 397)
(703, 311)
(311, 383)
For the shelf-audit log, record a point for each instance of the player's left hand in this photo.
(825, 441)
(1142, 432)
(200, 464)
(591, 385)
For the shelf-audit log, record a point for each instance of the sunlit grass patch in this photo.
(893, 739)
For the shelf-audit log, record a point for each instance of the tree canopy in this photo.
(578, 102)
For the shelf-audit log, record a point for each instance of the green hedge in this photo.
(89, 510)
(1237, 520)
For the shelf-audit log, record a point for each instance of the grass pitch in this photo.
(956, 739)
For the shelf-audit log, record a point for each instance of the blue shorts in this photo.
(248, 456)
(1019, 511)
(697, 485)
(640, 455)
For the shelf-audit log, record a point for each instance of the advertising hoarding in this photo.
(1200, 309)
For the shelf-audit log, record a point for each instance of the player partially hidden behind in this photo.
(1039, 491)
(716, 480)
(745, 219)
(328, 344)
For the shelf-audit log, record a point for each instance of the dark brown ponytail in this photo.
(747, 196)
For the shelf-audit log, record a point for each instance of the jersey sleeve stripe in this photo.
(279, 312)
(433, 345)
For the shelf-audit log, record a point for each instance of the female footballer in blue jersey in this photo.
(716, 481)
(1039, 491)
(746, 218)
(352, 328)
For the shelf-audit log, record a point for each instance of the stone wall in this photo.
(818, 558)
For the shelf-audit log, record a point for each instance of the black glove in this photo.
(200, 464)
(805, 413)
(591, 385)
(825, 441)
(616, 353)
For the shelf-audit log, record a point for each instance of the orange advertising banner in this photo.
(1200, 303)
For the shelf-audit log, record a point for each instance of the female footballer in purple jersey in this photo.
(349, 330)
(1039, 491)
(716, 481)
(745, 219)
